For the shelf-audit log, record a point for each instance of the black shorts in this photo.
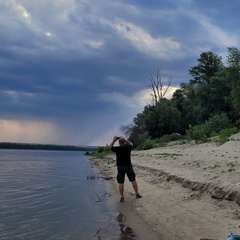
(122, 170)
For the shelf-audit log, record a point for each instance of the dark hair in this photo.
(122, 141)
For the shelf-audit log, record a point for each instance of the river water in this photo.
(54, 195)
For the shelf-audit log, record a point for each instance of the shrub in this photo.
(196, 132)
(164, 139)
(210, 128)
(238, 123)
(100, 153)
(176, 136)
(147, 144)
(224, 135)
(216, 124)
(228, 132)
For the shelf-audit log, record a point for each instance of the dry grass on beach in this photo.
(190, 191)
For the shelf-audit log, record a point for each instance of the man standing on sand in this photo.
(124, 165)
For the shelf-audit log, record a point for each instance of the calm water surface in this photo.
(50, 195)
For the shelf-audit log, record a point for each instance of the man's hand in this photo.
(114, 140)
(121, 139)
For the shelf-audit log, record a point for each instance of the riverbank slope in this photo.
(190, 191)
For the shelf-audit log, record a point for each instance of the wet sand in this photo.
(128, 218)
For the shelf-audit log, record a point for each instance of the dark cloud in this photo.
(81, 66)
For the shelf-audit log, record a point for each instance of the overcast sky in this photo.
(74, 71)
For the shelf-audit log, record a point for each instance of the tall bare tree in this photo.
(159, 85)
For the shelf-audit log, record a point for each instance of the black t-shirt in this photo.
(123, 155)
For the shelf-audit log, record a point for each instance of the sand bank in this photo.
(190, 191)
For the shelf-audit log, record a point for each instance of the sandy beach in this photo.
(190, 191)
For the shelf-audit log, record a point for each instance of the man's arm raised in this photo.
(128, 142)
(113, 141)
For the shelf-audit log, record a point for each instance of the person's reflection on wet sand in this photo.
(120, 217)
(126, 233)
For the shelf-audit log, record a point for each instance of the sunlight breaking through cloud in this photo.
(28, 131)
(144, 42)
(137, 101)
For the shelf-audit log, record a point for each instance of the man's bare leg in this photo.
(135, 187)
(121, 191)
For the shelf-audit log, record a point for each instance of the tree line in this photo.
(31, 146)
(206, 104)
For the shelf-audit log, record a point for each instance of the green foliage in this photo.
(164, 139)
(161, 119)
(196, 164)
(231, 167)
(199, 109)
(216, 165)
(100, 153)
(212, 127)
(168, 138)
(138, 130)
(170, 155)
(102, 149)
(212, 97)
(238, 123)
(144, 137)
(224, 135)
(175, 136)
(146, 144)
(228, 132)
(216, 123)
(233, 71)
(196, 132)
(208, 64)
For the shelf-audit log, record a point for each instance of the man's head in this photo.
(122, 141)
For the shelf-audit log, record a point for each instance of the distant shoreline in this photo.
(34, 146)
